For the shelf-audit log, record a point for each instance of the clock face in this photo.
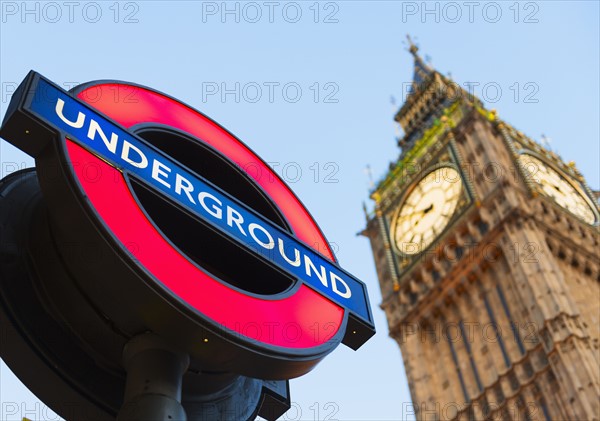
(427, 210)
(554, 185)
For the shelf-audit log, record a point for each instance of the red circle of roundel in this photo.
(315, 318)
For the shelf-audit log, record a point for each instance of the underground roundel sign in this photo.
(191, 235)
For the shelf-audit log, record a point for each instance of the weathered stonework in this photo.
(499, 317)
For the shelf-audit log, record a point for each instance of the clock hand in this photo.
(424, 211)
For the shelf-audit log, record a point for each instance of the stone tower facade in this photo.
(486, 249)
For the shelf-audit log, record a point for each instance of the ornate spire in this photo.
(421, 70)
(429, 94)
(412, 47)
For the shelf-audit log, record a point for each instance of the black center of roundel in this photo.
(203, 245)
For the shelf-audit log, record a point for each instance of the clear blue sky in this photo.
(354, 58)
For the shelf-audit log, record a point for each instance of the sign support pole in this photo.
(154, 378)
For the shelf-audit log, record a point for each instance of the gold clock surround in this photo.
(427, 209)
(550, 182)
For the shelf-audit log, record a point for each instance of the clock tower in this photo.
(486, 249)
